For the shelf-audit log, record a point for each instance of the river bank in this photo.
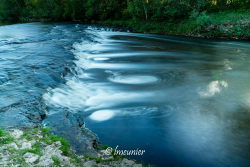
(38, 147)
(220, 25)
(227, 25)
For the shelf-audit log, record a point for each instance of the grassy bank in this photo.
(38, 147)
(227, 25)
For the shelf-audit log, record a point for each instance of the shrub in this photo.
(203, 20)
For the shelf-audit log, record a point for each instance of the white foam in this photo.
(134, 79)
(102, 115)
(72, 95)
(79, 95)
(101, 58)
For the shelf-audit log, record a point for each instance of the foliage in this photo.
(88, 10)
(228, 24)
(209, 18)
(10, 10)
(203, 20)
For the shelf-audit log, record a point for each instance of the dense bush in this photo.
(203, 20)
(10, 10)
(87, 10)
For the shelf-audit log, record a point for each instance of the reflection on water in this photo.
(213, 88)
(185, 101)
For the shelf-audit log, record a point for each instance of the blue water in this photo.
(186, 102)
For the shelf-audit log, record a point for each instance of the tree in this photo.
(10, 10)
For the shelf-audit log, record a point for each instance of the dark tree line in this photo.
(88, 10)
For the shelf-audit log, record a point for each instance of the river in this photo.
(186, 102)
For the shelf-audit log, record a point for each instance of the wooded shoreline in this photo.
(224, 19)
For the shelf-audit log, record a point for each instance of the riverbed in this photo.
(186, 102)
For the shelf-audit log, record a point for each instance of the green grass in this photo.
(48, 138)
(43, 137)
(5, 138)
(56, 161)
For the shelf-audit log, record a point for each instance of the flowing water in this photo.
(186, 102)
